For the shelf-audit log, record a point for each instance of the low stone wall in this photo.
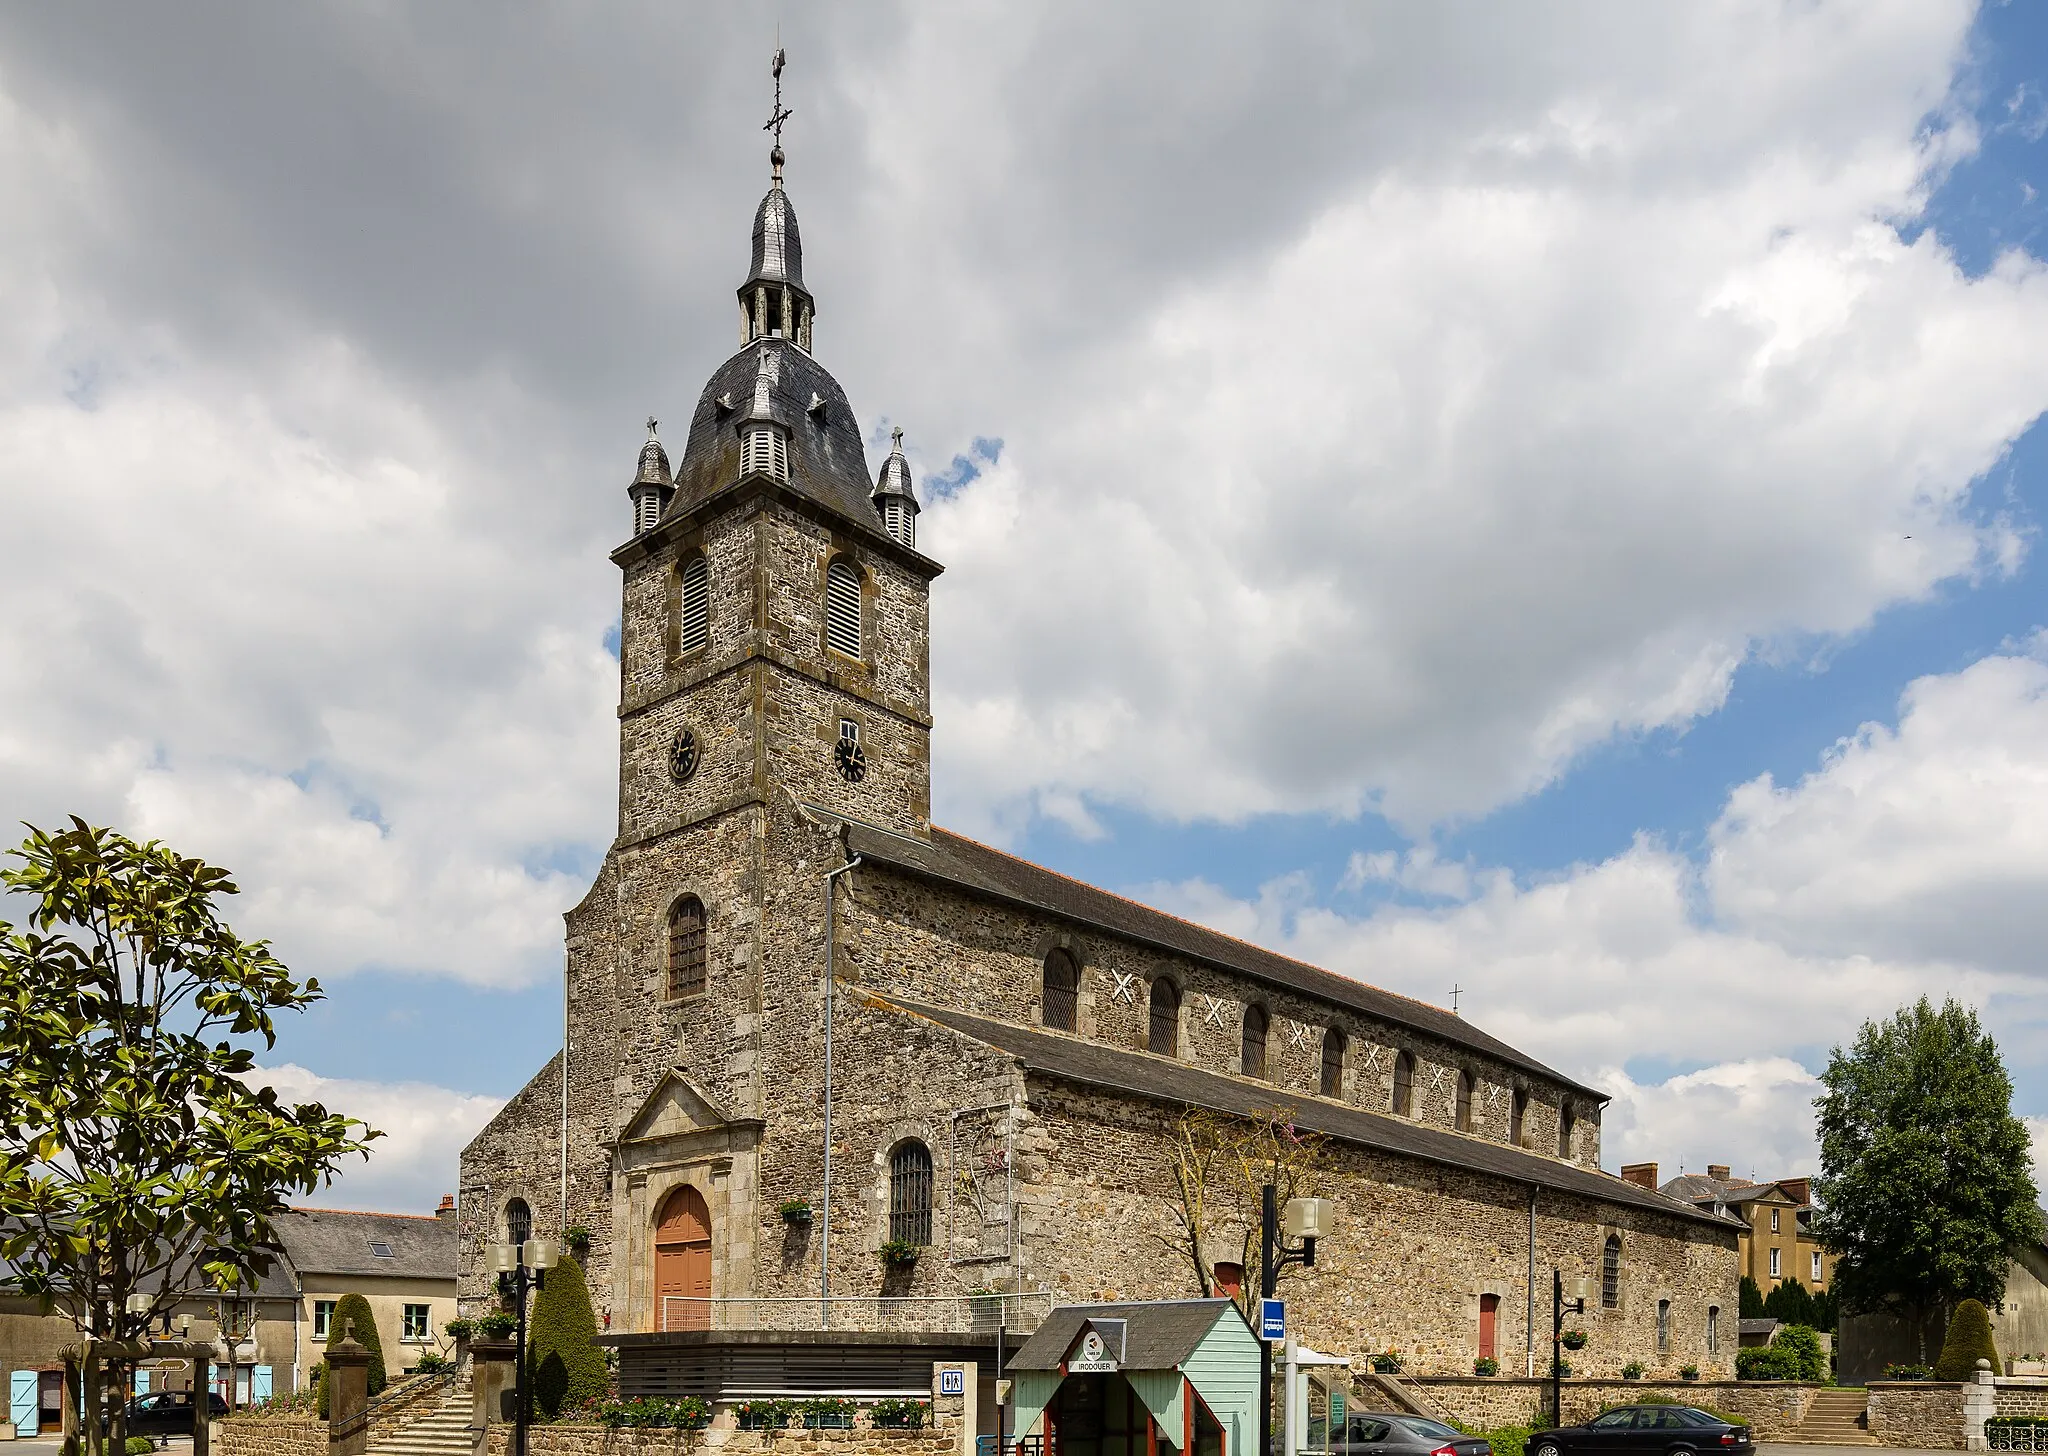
(260, 1436)
(2021, 1395)
(1923, 1413)
(405, 1403)
(1772, 1408)
(566, 1440)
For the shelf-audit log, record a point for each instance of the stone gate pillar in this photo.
(348, 1394)
(494, 1370)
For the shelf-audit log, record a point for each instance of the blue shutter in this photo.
(142, 1382)
(259, 1383)
(21, 1401)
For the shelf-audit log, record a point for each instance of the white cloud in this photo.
(1908, 864)
(415, 1162)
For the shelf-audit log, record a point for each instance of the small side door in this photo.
(22, 1407)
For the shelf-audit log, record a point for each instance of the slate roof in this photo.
(828, 463)
(1142, 1074)
(963, 862)
(1158, 1334)
(332, 1241)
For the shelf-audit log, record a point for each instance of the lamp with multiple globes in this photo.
(521, 1267)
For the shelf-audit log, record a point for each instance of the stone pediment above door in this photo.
(678, 1107)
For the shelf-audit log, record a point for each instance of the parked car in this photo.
(1386, 1433)
(1645, 1430)
(169, 1412)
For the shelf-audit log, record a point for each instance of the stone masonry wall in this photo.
(566, 1440)
(1416, 1247)
(953, 949)
(257, 1436)
(1923, 1414)
(2021, 1395)
(1772, 1409)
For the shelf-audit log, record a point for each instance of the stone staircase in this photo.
(1836, 1418)
(444, 1431)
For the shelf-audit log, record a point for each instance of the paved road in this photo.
(1790, 1448)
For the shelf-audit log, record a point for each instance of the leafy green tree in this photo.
(1751, 1299)
(1969, 1340)
(1802, 1346)
(1926, 1178)
(567, 1367)
(134, 1155)
(1825, 1311)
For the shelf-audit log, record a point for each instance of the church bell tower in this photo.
(774, 629)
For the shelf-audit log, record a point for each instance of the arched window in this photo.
(1567, 1123)
(686, 949)
(842, 608)
(1164, 1037)
(1610, 1273)
(1713, 1329)
(1516, 1113)
(1062, 991)
(1333, 1063)
(1464, 1113)
(518, 1222)
(1252, 1055)
(910, 1194)
(1663, 1327)
(765, 452)
(693, 605)
(1404, 1084)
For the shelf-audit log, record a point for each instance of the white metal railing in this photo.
(971, 1313)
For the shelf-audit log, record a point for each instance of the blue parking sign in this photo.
(1272, 1319)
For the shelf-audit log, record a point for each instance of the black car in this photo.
(1386, 1433)
(169, 1412)
(1645, 1430)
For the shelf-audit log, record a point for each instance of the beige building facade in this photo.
(1008, 1049)
(1778, 1242)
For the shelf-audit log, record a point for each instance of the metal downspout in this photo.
(1529, 1324)
(563, 1225)
(825, 1196)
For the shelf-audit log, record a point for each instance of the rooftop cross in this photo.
(1456, 992)
(652, 425)
(780, 114)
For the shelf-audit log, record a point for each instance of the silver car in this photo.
(1388, 1433)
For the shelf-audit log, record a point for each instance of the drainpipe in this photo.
(1529, 1324)
(562, 1226)
(825, 1196)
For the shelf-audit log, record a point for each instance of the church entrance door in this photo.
(682, 1263)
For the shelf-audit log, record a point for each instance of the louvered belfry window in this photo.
(765, 452)
(693, 610)
(899, 520)
(686, 948)
(910, 1194)
(842, 608)
(1062, 991)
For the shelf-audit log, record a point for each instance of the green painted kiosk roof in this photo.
(1157, 1334)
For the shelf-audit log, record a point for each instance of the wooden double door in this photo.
(682, 1263)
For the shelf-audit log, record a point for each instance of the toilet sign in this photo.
(1091, 1356)
(952, 1382)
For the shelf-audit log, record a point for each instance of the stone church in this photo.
(779, 940)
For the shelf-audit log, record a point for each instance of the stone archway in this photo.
(682, 1262)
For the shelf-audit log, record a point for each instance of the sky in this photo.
(1540, 501)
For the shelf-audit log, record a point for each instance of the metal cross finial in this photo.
(652, 425)
(896, 437)
(1456, 992)
(780, 114)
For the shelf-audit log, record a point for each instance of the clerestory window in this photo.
(1252, 1058)
(1164, 1035)
(1332, 1083)
(1061, 992)
(1404, 1084)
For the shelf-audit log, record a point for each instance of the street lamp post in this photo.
(521, 1267)
(1305, 1221)
(1559, 1308)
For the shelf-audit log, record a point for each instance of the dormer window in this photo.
(765, 451)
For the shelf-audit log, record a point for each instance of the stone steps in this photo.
(444, 1432)
(1836, 1418)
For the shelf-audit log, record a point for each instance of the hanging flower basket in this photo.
(899, 1253)
(796, 1212)
(1573, 1339)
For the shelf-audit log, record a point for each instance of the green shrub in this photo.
(497, 1324)
(1908, 1372)
(1486, 1365)
(1632, 1371)
(1969, 1340)
(460, 1329)
(1790, 1303)
(1506, 1440)
(1767, 1362)
(1750, 1299)
(562, 1357)
(137, 1445)
(1811, 1359)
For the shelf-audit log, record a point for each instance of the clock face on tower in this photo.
(682, 755)
(853, 763)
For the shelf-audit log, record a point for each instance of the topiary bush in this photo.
(1969, 1340)
(566, 1366)
(355, 1307)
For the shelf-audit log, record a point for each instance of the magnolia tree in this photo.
(137, 1161)
(1220, 1166)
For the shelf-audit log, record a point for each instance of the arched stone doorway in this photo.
(682, 1263)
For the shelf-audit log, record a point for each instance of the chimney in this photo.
(1643, 1175)
(1718, 1172)
(447, 1208)
(1799, 1190)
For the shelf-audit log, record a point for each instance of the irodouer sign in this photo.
(1092, 1357)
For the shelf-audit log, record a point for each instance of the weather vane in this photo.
(780, 114)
